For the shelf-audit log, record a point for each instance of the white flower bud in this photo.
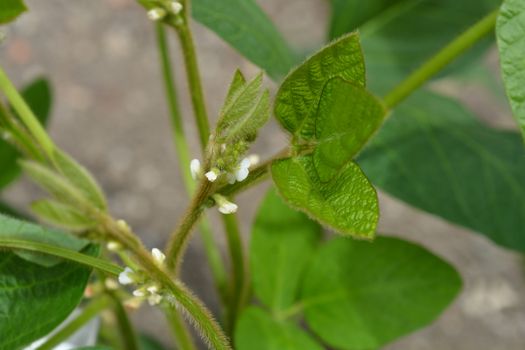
(176, 7)
(212, 175)
(195, 169)
(123, 225)
(153, 289)
(156, 14)
(139, 293)
(158, 256)
(154, 299)
(126, 276)
(243, 170)
(113, 246)
(111, 284)
(254, 160)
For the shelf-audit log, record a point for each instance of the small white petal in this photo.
(156, 14)
(176, 7)
(124, 277)
(242, 174)
(245, 163)
(211, 175)
(228, 208)
(154, 299)
(139, 293)
(254, 159)
(195, 168)
(158, 255)
(231, 178)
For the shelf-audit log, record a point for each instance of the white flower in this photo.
(125, 277)
(156, 14)
(113, 246)
(139, 293)
(176, 7)
(241, 171)
(228, 207)
(254, 160)
(195, 169)
(153, 289)
(158, 256)
(212, 175)
(111, 284)
(154, 299)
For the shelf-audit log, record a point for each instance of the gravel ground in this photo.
(109, 112)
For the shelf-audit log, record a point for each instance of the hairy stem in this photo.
(91, 310)
(454, 49)
(127, 333)
(181, 147)
(182, 335)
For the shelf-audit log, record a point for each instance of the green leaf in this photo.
(510, 32)
(94, 348)
(61, 215)
(147, 342)
(248, 29)
(298, 97)
(347, 203)
(282, 242)
(347, 117)
(434, 155)
(38, 96)
(17, 229)
(10, 9)
(256, 330)
(35, 299)
(360, 295)
(348, 15)
(394, 43)
(80, 178)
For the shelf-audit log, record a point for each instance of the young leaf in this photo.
(17, 229)
(80, 178)
(434, 155)
(298, 97)
(238, 83)
(347, 117)
(35, 299)
(256, 330)
(38, 96)
(510, 32)
(282, 242)
(11, 9)
(61, 215)
(360, 295)
(246, 27)
(246, 127)
(347, 203)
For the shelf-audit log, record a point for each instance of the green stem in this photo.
(65, 253)
(25, 113)
(181, 147)
(239, 273)
(182, 335)
(454, 49)
(127, 333)
(194, 81)
(90, 311)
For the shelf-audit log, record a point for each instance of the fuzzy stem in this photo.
(178, 326)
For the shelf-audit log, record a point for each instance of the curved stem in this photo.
(194, 81)
(65, 253)
(181, 147)
(127, 333)
(182, 335)
(454, 49)
(90, 311)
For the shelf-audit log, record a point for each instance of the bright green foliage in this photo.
(35, 299)
(360, 295)
(246, 27)
(61, 215)
(17, 229)
(298, 97)
(389, 38)
(245, 110)
(347, 117)
(510, 30)
(79, 178)
(348, 15)
(282, 242)
(435, 156)
(38, 97)
(347, 203)
(10, 9)
(256, 330)
(97, 348)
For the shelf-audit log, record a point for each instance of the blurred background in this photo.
(110, 113)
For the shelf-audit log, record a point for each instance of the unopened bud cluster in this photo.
(147, 290)
(169, 8)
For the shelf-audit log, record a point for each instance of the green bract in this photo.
(510, 30)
